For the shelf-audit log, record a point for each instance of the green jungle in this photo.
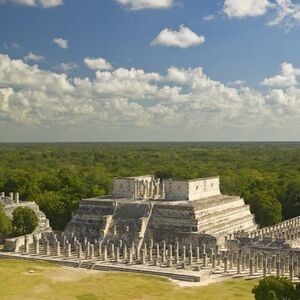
(58, 176)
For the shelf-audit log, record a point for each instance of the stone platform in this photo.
(144, 208)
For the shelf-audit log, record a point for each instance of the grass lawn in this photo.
(30, 280)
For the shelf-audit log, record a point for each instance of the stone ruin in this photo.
(185, 230)
(143, 208)
(11, 202)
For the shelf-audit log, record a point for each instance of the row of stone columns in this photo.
(289, 230)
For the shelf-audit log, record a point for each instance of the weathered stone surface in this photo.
(143, 209)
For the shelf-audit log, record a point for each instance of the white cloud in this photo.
(33, 57)
(42, 3)
(183, 38)
(287, 77)
(246, 8)
(97, 63)
(146, 4)
(62, 43)
(281, 12)
(287, 13)
(185, 100)
(237, 83)
(208, 18)
(66, 67)
(9, 46)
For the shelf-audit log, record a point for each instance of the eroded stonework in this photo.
(144, 208)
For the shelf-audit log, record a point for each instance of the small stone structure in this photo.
(10, 203)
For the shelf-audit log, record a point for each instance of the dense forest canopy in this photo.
(57, 176)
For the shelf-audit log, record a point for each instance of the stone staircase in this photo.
(129, 223)
(92, 219)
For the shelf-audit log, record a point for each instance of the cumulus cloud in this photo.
(97, 63)
(146, 4)
(66, 67)
(42, 3)
(286, 78)
(281, 12)
(62, 43)
(287, 13)
(246, 8)
(183, 38)
(33, 57)
(185, 99)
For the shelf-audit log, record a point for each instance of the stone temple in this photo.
(185, 230)
(144, 208)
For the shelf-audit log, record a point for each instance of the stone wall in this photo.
(191, 189)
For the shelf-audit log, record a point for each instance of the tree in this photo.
(265, 207)
(24, 220)
(58, 208)
(5, 224)
(291, 202)
(274, 288)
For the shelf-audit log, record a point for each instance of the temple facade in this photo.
(146, 208)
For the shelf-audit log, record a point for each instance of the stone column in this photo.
(17, 200)
(100, 249)
(278, 268)
(104, 254)
(183, 254)
(151, 243)
(269, 265)
(157, 250)
(130, 256)
(197, 254)
(125, 252)
(47, 248)
(68, 249)
(57, 248)
(190, 256)
(151, 252)
(92, 251)
(213, 260)
(260, 261)
(264, 267)
(225, 264)
(36, 246)
(238, 265)
(112, 251)
(243, 262)
(251, 266)
(296, 268)
(291, 272)
(282, 266)
(163, 245)
(117, 254)
(204, 260)
(255, 264)
(170, 252)
(230, 261)
(143, 257)
(177, 256)
(218, 259)
(273, 267)
(26, 245)
(79, 250)
(163, 255)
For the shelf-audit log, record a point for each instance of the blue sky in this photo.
(212, 70)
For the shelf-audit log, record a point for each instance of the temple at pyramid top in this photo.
(149, 187)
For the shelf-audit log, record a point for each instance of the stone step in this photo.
(231, 226)
(215, 217)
